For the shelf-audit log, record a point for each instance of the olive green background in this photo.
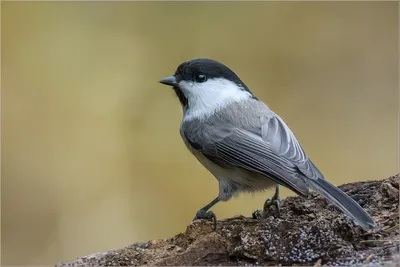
(91, 153)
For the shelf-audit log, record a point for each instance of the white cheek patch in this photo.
(204, 99)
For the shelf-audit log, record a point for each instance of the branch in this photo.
(310, 231)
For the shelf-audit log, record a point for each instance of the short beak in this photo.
(171, 81)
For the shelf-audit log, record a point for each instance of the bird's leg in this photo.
(275, 200)
(203, 213)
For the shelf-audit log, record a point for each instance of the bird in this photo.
(243, 143)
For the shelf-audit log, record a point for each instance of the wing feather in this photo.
(282, 141)
(248, 151)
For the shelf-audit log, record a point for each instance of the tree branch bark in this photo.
(310, 231)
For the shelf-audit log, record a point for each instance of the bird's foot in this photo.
(274, 201)
(207, 215)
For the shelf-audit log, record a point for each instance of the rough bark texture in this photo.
(309, 232)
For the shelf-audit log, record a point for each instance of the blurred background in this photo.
(92, 158)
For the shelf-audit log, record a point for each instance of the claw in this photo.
(203, 213)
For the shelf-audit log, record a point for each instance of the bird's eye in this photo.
(201, 78)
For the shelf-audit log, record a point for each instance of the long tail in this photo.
(342, 201)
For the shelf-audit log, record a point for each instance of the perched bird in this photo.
(243, 143)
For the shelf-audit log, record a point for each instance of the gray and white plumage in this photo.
(243, 143)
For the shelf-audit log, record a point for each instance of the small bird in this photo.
(243, 143)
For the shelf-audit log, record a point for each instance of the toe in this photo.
(199, 215)
(212, 216)
(278, 207)
(267, 204)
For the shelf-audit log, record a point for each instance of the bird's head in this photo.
(204, 85)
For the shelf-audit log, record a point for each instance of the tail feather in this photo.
(343, 202)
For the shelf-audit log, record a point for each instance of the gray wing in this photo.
(244, 149)
(282, 141)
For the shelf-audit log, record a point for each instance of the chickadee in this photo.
(243, 143)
